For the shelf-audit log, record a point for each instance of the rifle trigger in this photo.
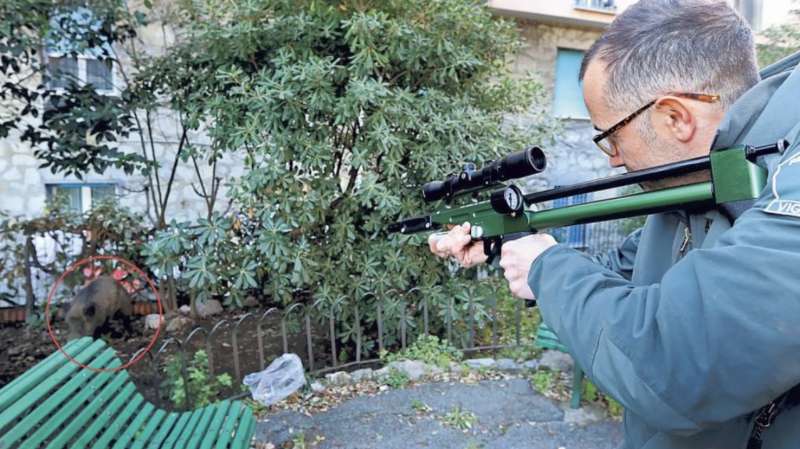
(491, 247)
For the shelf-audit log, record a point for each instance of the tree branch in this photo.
(154, 165)
(205, 194)
(215, 183)
(181, 145)
(34, 258)
(151, 184)
(155, 161)
(201, 195)
(352, 181)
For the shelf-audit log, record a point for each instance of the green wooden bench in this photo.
(57, 404)
(547, 339)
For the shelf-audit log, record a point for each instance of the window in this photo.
(81, 197)
(98, 74)
(82, 70)
(568, 94)
(574, 236)
(64, 41)
(603, 5)
(60, 70)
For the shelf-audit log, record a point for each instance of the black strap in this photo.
(767, 414)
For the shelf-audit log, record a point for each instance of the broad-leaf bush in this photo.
(343, 110)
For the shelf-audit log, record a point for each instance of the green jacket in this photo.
(692, 331)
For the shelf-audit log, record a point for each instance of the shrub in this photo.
(341, 113)
(397, 378)
(201, 387)
(428, 349)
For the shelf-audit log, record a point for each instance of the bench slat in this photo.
(39, 392)
(65, 413)
(148, 430)
(116, 427)
(51, 399)
(137, 423)
(101, 398)
(169, 443)
(105, 416)
(47, 365)
(42, 411)
(190, 426)
(201, 431)
(216, 425)
(230, 421)
(10, 395)
(547, 339)
(163, 431)
(244, 432)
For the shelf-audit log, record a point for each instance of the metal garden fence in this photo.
(248, 342)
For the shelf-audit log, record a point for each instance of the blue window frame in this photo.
(77, 193)
(574, 236)
(71, 191)
(68, 60)
(603, 5)
(568, 94)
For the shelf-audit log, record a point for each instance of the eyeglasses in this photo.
(608, 148)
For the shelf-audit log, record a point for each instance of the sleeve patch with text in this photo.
(786, 189)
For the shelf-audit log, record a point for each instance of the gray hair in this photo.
(658, 46)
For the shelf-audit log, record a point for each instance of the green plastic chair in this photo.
(56, 404)
(547, 339)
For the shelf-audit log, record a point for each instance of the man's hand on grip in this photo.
(457, 243)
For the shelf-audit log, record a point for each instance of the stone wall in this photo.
(21, 190)
(540, 44)
(573, 157)
(22, 183)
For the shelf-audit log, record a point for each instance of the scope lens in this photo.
(524, 163)
(517, 165)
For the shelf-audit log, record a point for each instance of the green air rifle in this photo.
(735, 180)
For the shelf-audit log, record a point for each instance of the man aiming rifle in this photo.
(693, 324)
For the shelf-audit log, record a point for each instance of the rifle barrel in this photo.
(650, 174)
(635, 177)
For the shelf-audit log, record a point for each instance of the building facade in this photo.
(556, 33)
(25, 188)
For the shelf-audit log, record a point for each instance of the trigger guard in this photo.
(491, 247)
(487, 248)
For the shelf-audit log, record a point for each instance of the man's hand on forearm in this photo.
(458, 244)
(516, 259)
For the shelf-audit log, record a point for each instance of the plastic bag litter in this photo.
(283, 376)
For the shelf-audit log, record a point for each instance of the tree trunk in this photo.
(166, 290)
(193, 304)
(30, 298)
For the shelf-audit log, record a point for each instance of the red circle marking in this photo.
(74, 267)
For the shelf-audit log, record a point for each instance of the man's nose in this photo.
(616, 160)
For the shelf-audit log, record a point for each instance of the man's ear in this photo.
(89, 310)
(673, 117)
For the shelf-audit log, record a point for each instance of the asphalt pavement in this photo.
(504, 414)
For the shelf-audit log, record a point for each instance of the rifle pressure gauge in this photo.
(508, 201)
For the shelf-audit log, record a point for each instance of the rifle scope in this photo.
(523, 163)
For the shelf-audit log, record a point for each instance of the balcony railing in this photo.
(600, 5)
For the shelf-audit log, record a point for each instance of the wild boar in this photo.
(95, 305)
